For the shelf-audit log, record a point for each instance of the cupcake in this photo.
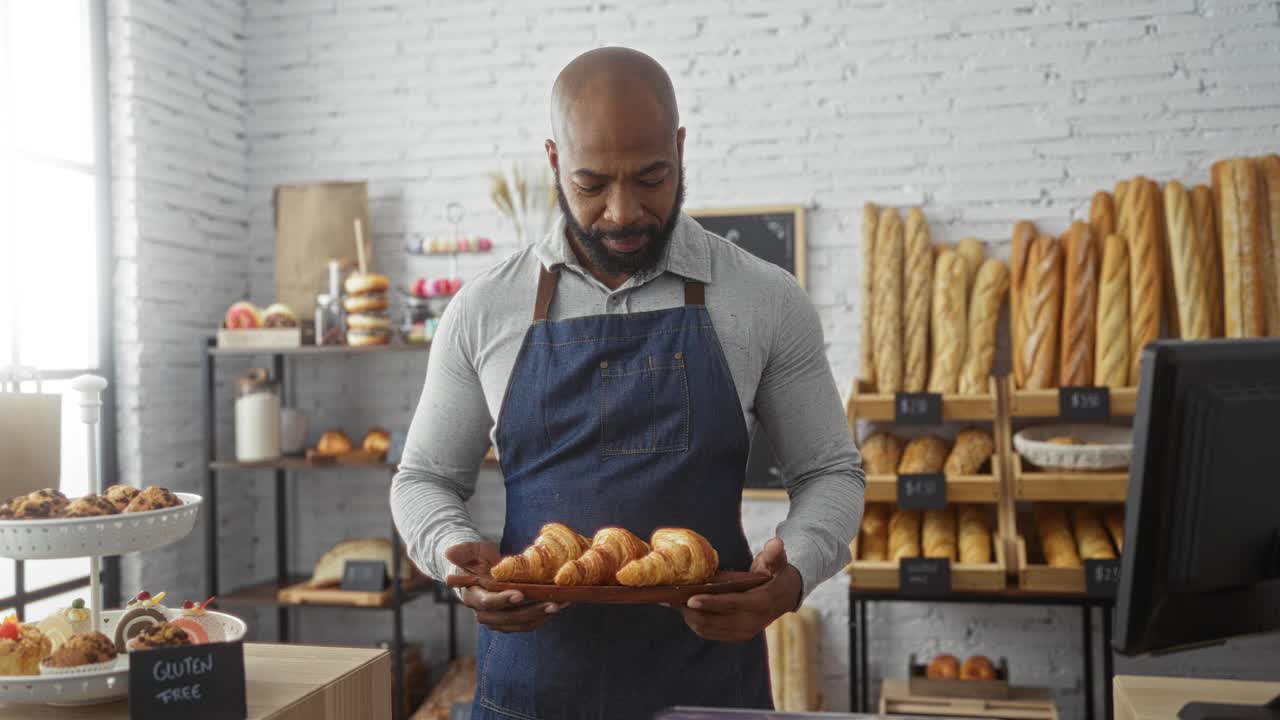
(164, 635)
(91, 506)
(21, 648)
(62, 624)
(152, 498)
(120, 495)
(82, 652)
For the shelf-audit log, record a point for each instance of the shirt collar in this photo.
(688, 254)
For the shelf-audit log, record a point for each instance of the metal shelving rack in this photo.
(263, 594)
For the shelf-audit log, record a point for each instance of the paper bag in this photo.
(314, 224)
(30, 443)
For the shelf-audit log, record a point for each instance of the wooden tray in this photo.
(723, 582)
(864, 404)
(1032, 483)
(896, 698)
(1044, 403)
(333, 595)
(960, 488)
(883, 574)
(921, 685)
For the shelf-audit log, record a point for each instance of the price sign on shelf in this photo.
(925, 577)
(1102, 578)
(917, 408)
(197, 682)
(1084, 404)
(364, 576)
(922, 492)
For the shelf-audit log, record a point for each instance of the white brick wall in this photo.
(984, 111)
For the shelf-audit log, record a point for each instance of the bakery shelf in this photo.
(972, 577)
(864, 404)
(1044, 403)
(960, 488)
(1036, 576)
(1031, 483)
(272, 593)
(1022, 704)
(289, 463)
(394, 347)
(302, 594)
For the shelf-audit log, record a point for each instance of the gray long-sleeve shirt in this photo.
(772, 339)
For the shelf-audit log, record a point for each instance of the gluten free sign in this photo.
(200, 682)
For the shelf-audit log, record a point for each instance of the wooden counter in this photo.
(1148, 698)
(284, 682)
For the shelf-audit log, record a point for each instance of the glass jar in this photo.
(257, 417)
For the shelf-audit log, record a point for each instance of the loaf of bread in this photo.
(939, 534)
(1102, 215)
(1056, 542)
(881, 452)
(971, 251)
(887, 322)
(1124, 209)
(1269, 170)
(873, 537)
(925, 454)
(1091, 539)
(1024, 236)
(1190, 272)
(917, 283)
(1169, 312)
(1041, 313)
(328, 570)
(904, 534)
(800, 674)
(973, 448)
(1146, 274)
(775, 640)
(975, 534)
(989, 290)
(1079, 306)
(949, 322)
(1111, 353)
(870, 216)
(1210, 256)
(1114, 520)
(1238, 199)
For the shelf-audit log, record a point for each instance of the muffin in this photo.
(21, 648)
(120, 495)
(164, 635)
(7, 510)
(43, 504)
(91, 506)
(82, 652)
(152, 498)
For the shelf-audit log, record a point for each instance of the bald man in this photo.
(654, 350)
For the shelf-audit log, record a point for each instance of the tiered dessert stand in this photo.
(95, 537)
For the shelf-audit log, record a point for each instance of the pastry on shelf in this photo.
(120, 495)
(376, 442)
(881, 453)
(611, 549)
(333, 443)
(555, 545)
(328, 570)
(974, 534)
(81, 653)
(152, 498)
(925, 454)
(22, 647)
(1056, 541)
(191, 621)
(142, 612)
(91, 506)
(978, 667)
(678, 556)
(45, 504)
(904, 534)
(974, 446)
(162, 635)
(943, 667)
(1091, 539)
(62, 624)
(873, 536)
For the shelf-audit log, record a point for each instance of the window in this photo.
(55, 297)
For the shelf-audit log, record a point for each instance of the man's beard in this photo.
(607, 260)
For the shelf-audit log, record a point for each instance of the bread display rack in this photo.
(95, 537)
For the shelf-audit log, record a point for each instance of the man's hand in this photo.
(738, 617)
(504, 611)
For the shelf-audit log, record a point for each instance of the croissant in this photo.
(555, 545)
(611, 548)
(678, 557)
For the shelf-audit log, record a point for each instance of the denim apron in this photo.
(629, 420)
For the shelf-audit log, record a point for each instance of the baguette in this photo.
(1091, 539)
(1079, 306)
(800, 684)
(1041, 310)
(1114, 520)
(881, 453)
(1124, 208)
(887, 322)
(1056, 542)
(1190, 272)
(870, 215)
(775, 640)
(973, 448)
(1024, 236)
(939, 534)
(874, 534)
(1238, 197)
(1170, 309)
(975, 535)
(970, 250)
(1102, 215)
(1111, 351)
(925, 454)
(917, 281)
(1269, 171)
(904, 534)
(1210, 253)
(1145, 274)
(949, 323)
(989, 290)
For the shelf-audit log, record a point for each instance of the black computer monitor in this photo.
(1201, 559)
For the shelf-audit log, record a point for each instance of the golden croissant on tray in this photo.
(611, 549)
(555, 545)
(615, 556)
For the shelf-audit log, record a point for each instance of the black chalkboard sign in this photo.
(917, 408)
(924, 577)
(1101, 578)
(197, 682)
(1084, 404)
(774, 233)
(924, 491)
(364, 576)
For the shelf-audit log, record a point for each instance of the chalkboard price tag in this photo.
(1101, 578)
(1084, 404)
(197, 682)
(924, 576)
(917, 408)
(922, 492)
(364, 576)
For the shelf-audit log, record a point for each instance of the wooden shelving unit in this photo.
(960, 488)
(973, 577)
(864, 404)
(1033, 484)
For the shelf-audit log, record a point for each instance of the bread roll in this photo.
(873, 536)
(870, 215)
(881, 452)
(971, 251)
(1114, 520)
(989, 290)
(887, 322)
(1269, 170)
(1079, 306)
(1146, 274)
(975, 534)
(939, 534)
(917, 282)
(949, 323)
(925, 454)
(1238, 200)
(1210, 253)
(1041, 312)
(974, 446)
(904, 534)
(1102, 215)
(1111, 352)
(1056, 543)
(1091, 539)
(1024, 236)
(1190, 273)
(943, 667)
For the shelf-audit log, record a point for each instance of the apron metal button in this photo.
(604, 364)
(679, 356)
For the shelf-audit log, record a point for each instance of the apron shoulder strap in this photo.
(546, 292)
(695, 293)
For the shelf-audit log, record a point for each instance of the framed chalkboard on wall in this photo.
(775, 233)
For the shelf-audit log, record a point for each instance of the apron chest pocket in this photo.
(644, 406)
